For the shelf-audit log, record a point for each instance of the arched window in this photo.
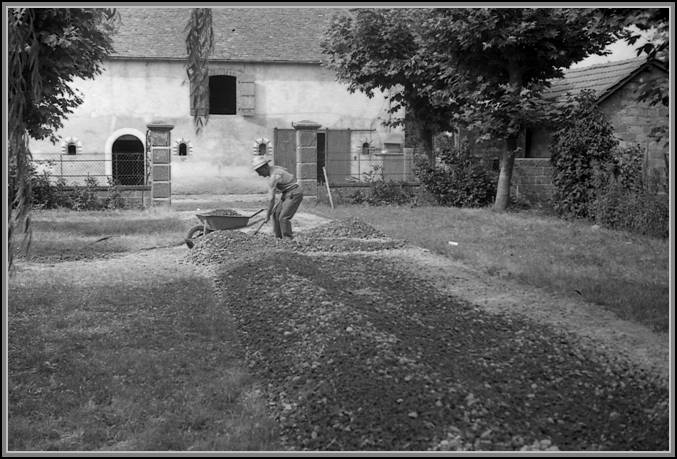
(183, 149)
(365, 148)
(263, 148)
(71, 146)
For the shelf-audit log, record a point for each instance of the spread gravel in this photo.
(222, 213)
(360, 353)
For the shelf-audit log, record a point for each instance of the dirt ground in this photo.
(370, 344)
(598, 328)
(345, 280)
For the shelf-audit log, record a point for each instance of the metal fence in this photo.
(364, 167)
(93, 169)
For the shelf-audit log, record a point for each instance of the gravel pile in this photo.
(222, 213)
(351, 235)
(359, 354)
(350, 227)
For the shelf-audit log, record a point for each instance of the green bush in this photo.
(638, 211)
(50, 194)
(580, 152)
(380, 191)
(457, 179)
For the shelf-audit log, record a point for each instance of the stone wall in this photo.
(633, 121)
(532, 179)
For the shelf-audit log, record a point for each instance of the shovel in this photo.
(264, 222)
(259, 228)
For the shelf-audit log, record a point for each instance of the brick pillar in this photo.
(306, 156)
(159, 136)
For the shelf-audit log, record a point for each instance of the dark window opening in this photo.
(321, 157)
(72, 149)
(365, 148)
(263, 148)
(183, 149)
(222, 95)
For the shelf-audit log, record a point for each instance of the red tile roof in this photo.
(602, 78)
(240, 34)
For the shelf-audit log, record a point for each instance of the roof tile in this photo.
(599, 78)
(240, 34)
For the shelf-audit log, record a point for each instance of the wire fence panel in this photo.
(364, 168)
(72, 170)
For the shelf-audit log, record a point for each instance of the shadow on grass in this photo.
(151, 365)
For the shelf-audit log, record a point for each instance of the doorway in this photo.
(129, 161)
(321, 156)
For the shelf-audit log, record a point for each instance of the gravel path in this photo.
(365, 344)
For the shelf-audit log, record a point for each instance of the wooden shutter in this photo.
(284, 153)
(337, 156)
(246, 100)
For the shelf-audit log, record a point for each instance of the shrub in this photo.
(580, 152)
(381, 191)
(50, 194)
(636, 210)
(457, 179)
(45, 195)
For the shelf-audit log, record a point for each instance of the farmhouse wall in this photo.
(131, 93)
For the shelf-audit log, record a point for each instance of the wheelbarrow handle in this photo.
(251, 216)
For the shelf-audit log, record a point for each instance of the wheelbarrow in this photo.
(219, 219)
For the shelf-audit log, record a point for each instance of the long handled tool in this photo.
(260, 226)
(264, 221)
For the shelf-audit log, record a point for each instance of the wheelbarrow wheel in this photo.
(194, 232)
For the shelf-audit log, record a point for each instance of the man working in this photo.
(284, 182)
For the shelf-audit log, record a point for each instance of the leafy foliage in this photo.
(381, 191)
(597, 179)
(580, 152)
(479, 68)
(380, 50)
(53, 194)
(630, 199)
(638, 211)
(457, 180)
(47, 49)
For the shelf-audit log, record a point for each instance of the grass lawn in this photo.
(625, 273)
(129, 353)
(122, 354)
(64, 234)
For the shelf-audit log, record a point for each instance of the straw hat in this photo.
(258, 161)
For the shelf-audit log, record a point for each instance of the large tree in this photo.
(483, 68)
(381, 50)
(47, 49)
(511, 53)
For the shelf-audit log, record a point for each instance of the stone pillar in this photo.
(306, 156)
(159, 136)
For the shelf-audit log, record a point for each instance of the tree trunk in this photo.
(508, 156)
(505, 174)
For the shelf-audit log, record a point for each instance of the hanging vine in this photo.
(199, 45)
